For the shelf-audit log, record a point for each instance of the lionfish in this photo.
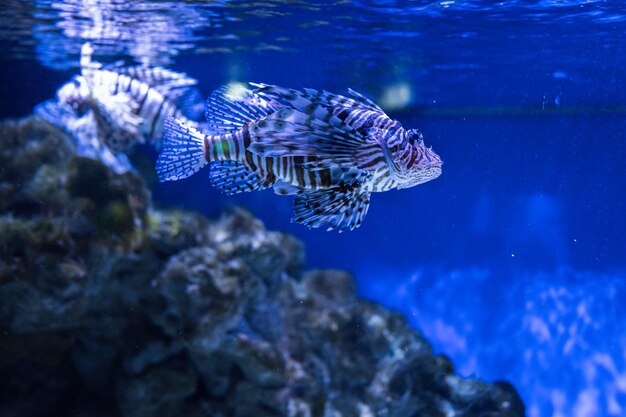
(330, 151)
(126, 105)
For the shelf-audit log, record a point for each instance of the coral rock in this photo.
(112, 308)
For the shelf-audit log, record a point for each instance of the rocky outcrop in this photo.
(109, 307)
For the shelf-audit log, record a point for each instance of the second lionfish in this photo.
(107, 109)
(330, 151)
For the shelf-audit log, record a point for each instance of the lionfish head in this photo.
(420, 164)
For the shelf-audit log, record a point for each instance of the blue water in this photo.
(513, 262)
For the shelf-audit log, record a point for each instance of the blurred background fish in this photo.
(83, 129)
(330, 151)
(125, 104)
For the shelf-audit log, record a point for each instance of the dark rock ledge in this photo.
(111, 308)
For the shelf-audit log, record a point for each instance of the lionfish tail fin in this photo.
(183, 151)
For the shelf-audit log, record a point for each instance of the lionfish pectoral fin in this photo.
(183, 151)
(233, 177)
(289, 132)
(340, 208)
(83, 133)
(233, 105)
(161, 79)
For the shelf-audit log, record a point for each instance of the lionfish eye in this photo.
(415, 136)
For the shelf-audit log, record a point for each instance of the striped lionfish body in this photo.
(328, 150)
(128, 104)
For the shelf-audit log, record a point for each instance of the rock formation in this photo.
(109, 307)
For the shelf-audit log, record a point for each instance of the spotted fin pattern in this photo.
(233, 177)
(342, 208)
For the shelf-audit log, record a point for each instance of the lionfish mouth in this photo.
(421, 176)
(434, 168)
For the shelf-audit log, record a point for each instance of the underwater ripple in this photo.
(155, 31)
